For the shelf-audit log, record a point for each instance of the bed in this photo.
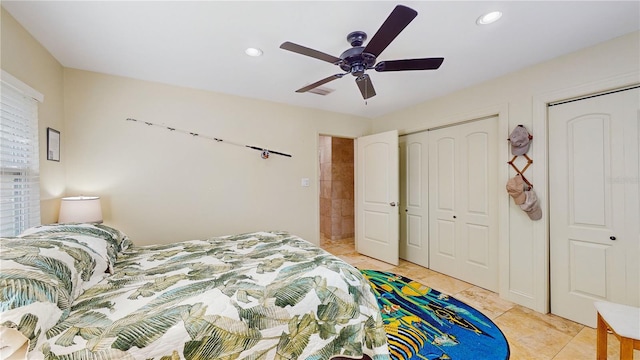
(83, 291)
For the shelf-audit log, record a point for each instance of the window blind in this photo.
(19, 163)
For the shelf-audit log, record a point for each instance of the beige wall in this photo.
(162, 186)
(159, 186)
(519, 98)
(24, 58)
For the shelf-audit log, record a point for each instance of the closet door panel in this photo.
(477, 204)
(414, 198)
(594, 203)
(463, 209)
(442, 188)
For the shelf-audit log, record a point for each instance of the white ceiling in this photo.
(201, 44)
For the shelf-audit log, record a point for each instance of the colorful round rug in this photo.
(422, 323)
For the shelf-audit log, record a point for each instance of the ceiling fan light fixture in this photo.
(255, 52)
(489, 18)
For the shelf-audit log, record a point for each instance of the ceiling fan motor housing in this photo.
(355, 61)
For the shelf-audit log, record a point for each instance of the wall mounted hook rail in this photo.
(521, 172)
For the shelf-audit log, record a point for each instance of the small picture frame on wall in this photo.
(53, 144)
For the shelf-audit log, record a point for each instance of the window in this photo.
(19, 164)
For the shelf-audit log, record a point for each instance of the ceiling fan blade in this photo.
(320, 82)
(409, 64)
(309, 52)
(365, 86)
(399, 18)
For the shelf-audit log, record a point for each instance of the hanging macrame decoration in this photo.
(264, 153)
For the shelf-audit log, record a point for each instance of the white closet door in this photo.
(463, 208)
(414, 198)
(594, 203)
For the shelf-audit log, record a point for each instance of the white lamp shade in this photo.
(80, 209)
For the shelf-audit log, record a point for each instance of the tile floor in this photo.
(531, 335)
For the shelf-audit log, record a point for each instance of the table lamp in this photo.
(80, 209)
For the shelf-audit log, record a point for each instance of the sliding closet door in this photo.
(414, 198)
(594, 203)
(463, 206)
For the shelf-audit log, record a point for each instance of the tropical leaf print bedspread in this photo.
(265, 295)
(44, 269)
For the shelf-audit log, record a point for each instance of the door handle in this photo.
(392, 203)
(612, 237)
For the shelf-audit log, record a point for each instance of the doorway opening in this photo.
(337, 215)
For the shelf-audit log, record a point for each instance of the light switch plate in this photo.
(305, 182)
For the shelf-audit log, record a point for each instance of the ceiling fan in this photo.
(358, 59)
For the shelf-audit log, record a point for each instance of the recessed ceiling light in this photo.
(489, 18)
(253, 52)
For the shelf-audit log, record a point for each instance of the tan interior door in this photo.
(414, 198)
(594, 203)
(377, 179)
(463, 208)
